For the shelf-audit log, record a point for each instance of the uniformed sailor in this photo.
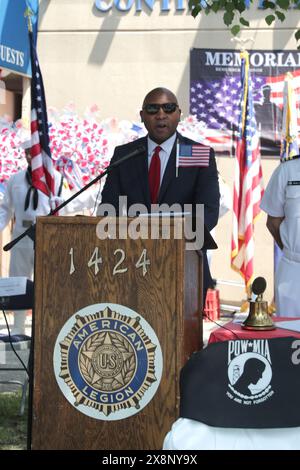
(281, 201)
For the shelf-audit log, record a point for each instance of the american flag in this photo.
(215, 103)
(71, 171)
(248, 185)
(289, 145)
(193, 155)
(41, 161)
(214, 100)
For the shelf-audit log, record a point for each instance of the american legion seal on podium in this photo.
(108, 361)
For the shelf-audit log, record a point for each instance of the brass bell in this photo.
(258, 318)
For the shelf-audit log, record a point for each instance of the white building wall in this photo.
(114, 58)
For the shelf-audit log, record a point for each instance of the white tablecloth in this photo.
(187, 434)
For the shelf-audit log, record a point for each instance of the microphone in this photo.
(31, 230)
(259, 285)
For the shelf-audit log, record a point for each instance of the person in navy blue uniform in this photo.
(191, 185)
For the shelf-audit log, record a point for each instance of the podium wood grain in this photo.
(168, 297)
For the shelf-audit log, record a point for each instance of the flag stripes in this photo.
(248, 185)
(41, 161)
(193, 155)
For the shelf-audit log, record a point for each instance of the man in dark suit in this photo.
(133, 178)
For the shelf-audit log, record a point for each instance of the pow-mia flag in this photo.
(247, 383)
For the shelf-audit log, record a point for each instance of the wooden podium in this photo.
(75, 269)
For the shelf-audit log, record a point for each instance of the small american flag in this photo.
(41, 161)
(193, 155)
(248, 184)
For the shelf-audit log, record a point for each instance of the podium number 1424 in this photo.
(120, 266)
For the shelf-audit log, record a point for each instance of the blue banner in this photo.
(14, 40)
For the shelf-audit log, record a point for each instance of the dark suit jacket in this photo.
(194, 185)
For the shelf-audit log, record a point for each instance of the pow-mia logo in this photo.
(108, 361)
(249, 371)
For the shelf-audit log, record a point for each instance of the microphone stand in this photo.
(31, 230)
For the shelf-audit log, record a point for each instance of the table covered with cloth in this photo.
(234, 330)
(220, 410)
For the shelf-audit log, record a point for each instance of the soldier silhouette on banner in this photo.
(252, 373)
(269, 122)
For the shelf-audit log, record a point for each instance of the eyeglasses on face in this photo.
(153, 108)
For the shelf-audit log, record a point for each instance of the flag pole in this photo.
(177, 156)
(26, 85)
(28, 14)
(289, 144)
(248, 186)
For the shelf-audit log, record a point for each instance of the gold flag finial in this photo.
(28, 14)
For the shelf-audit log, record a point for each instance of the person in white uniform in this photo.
(281, 201)
(23, 203)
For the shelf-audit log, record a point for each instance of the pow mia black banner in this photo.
(243, 384)
(215, 91)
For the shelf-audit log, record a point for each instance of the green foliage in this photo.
(234, 9)
(215, 7)
(267, 4)
(270, 19)
(235, 30)
(228, 18)
(283, 4)
(244, 22)
(280, 15)
(196, 10)
(13, 427)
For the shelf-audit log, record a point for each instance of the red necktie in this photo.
(154, 175)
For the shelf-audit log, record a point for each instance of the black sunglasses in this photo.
(153, 108)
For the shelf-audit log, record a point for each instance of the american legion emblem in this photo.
(108, 361)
